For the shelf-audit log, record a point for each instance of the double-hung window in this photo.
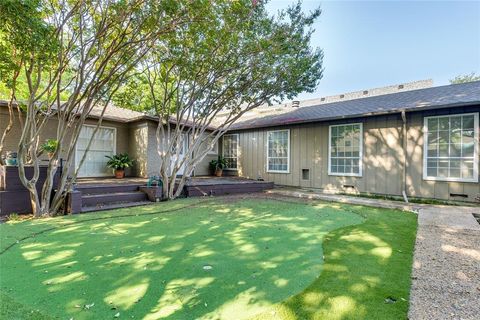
(451, 148)
(230, 151)
(278, 151)
(345, 149)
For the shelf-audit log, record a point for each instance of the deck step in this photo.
(107, 188)
(112, 206)
(95, 200)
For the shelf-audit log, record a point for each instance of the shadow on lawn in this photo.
(366, 274)
(226, 261)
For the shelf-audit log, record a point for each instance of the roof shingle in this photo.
(431, 98)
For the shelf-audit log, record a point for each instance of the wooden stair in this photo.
(110, 196)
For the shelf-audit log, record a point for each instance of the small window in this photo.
(451, 148)
(345, 150)
(278, 151)
(230, 151)
(305, 174)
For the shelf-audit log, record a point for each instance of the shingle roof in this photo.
(118, 114)
(431, 98)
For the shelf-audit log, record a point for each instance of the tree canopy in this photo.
(465, 78)
(234, 57)
(184, 61)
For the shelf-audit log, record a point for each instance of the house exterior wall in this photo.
(153, 159)
(137, 138)
(383, 157)
(11, 141)
(138, 148)
(416, 185)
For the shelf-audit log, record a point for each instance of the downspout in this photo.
(404, 143)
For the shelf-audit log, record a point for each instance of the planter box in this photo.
(154, 194)
(14, 198)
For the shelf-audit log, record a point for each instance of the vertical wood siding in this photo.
(383, 157)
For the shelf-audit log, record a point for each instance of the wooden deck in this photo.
(195, 186)
(92, 194)
(213, 186)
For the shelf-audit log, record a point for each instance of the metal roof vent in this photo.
(365, 92)
(322, 99)
(295, 103)
(401, 86)
(342, 96)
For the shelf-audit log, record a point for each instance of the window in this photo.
(278, 151)
(345, 150)
(230, 151)
(451, 148)
(208, 143)
(103, 144)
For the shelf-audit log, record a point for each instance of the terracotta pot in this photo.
(219, 172)
(119, 173)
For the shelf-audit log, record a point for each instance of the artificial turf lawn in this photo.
(265, 257)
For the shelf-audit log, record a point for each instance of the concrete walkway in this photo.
(380, 203)
(446, 267)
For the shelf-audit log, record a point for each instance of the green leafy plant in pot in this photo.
(119, 162)
(218, 165)
(49, 146)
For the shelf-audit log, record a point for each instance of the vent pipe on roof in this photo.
(295, 103)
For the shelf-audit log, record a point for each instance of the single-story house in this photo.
(410, 140)
(421, 142)
(121, 131)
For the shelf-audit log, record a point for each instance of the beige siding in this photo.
(383, 158)
(138, 142)
(144, 146)
(50, 132)
(435, 189)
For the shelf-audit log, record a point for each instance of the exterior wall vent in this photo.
(461, 195)
(305, 174)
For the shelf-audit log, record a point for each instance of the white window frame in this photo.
(77, 160)
(360, 151)
(288, 152)
(238, 148)
(475, 149)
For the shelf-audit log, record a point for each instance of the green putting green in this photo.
(193, 259)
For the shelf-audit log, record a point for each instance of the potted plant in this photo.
(218, 165)
(49, 146)
(119, 162)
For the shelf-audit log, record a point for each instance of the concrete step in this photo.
(95, 200)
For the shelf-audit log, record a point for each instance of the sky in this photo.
(370, 44)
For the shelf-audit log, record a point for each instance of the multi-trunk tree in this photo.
(84, 52)
(232, 60)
